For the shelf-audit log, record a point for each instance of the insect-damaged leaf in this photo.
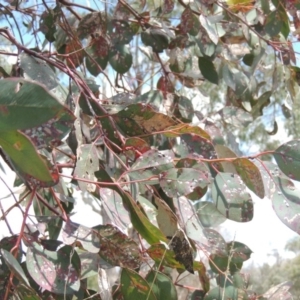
(144, 117)
(151, 164)
(134, 286)
(88, 238)
(287, 157)
(117, 248)
(231, 197)
(194, 144)
(90, 23)
(86, 166)
(25, 104)
(55, 271)
(183, 250)
(183, 181)
(286, 203)
(25, 157)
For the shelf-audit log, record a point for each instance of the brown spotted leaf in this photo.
(251, 175)
(144, 117)
(117, 248)
(179, 129)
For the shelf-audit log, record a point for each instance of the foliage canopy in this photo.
(145, 104)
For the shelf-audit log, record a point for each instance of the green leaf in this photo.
(133, 286)
(239, 252)
(287, 157)
(141, 223)
(48, 23)
(273, 23)
(236, 116)
(25, 157)
(14, 266)
(155, 38)
(161, 285)
(57, 272)
(208, 214)
(231, 197)
(120, 58)
(208, 70)
(166, 219)
(229, 292)
(251, 175)
(223, 263)
(25, 104)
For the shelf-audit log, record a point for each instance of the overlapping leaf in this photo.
(88, 238)
(58, 272)
(231, 197)
(134, 286)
